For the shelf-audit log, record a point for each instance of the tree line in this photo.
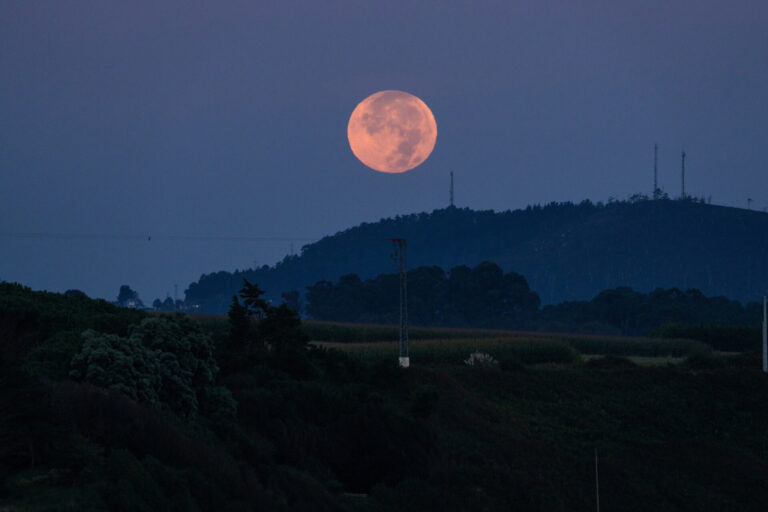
(484, 296)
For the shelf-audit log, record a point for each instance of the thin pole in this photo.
(765, 337)
(597, 484)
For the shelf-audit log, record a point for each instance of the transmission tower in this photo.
(655, 171)
(400, 257)
(451, 190)
(682, 193)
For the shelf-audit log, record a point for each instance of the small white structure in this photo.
(405, 362)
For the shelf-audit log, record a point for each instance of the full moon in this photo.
(392, 131)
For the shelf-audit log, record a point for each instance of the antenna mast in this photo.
(402, 263)
(682, 195)
(655, 171)
(451, 189)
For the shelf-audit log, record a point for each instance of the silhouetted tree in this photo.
(128, 298)
(238, 322)
(77, 294)
(251, 295)
(281, 329)
(292, 299)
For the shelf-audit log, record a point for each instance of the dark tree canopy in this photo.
(128, 298)
(485, 296)
(481, 296)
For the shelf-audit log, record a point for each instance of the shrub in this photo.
(481, 360)
(166, 361)
(704, 361)
(646, 347)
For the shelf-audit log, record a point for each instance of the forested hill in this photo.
(566, 251)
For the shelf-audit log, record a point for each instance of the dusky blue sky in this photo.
(228, 119)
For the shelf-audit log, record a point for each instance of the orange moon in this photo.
(392, 131)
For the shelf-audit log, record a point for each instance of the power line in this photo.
(149, 238)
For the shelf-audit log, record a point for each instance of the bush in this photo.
(720, 337)
(704, 361)
(481, 360)
(166, 361)
(646, 347)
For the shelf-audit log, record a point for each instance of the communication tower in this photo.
(451, 196)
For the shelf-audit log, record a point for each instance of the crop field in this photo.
(446, 345)
(431, 345)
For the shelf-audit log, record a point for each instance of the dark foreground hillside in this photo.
(114, 410)
(565, 251)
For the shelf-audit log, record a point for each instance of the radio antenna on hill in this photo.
(655, 171)
(451, 196)
(682, 193)
(402, 263)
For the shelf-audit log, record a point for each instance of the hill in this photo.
(566, 251)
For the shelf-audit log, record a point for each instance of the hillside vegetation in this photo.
(565, 251)
(103, 408)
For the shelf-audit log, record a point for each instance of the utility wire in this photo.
(106, 236)
(175, 238)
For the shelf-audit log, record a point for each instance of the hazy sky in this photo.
(228, 119)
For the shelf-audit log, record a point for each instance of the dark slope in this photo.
(566, 251)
